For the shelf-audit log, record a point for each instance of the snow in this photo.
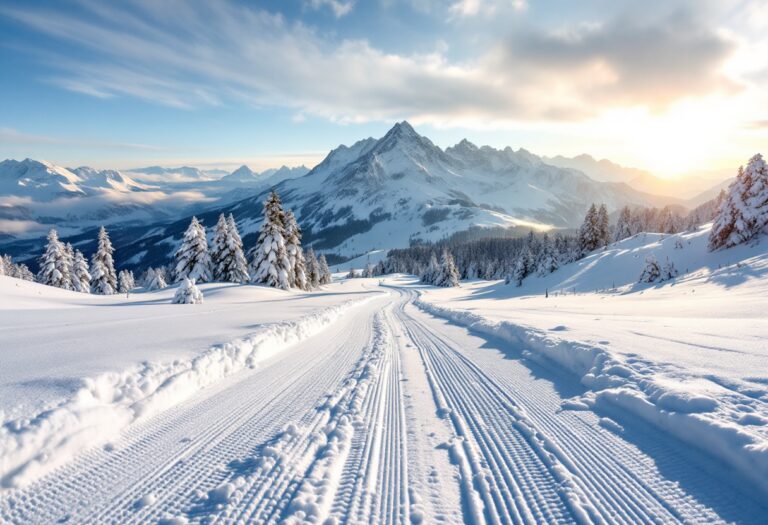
(382, 400)
(687, 355)
(150, 357)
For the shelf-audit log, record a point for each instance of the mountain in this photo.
(687, 186)
(241, 174)
(40, 180)
(384, 193)
(37, 195)
(600, 170)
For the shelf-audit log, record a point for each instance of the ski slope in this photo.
(377, 403)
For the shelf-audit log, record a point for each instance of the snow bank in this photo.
(679, 408)
(108, 403)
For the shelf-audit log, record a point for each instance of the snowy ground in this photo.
(398, 404)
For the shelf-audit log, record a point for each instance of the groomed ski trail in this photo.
(388, 416)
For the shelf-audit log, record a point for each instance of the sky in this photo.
(670, 86)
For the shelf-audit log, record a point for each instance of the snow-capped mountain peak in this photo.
(38, 178)
(242, 174)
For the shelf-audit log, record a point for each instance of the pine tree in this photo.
(188, 293)
(103, 276)
(652, 271)
(603, 227)
(668, 271)
(623, 225)
(21, 271)
(431, 272)
(220, 249)
(519, 272)
(271, 265)
(155, 279)
(237, 270)
(448, 274)
(124, 281)
(298, 274)
(547, 262)
(229, 264)
(743, 213)
(54, 269)
(69, 253)
(81, 277)
(313, 270)
(368, 270)
(589, 232)
(325, 272)
(192, 258)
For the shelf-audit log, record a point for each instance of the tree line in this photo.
(277, 259)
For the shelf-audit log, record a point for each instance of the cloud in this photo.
(199, 54)
(624, 61)
(339, 8)
(13, 136)
(15, 227)
(470, 8)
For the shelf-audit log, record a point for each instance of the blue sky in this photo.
(668, 86)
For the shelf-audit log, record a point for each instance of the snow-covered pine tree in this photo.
(22, 271)
(743, 213)
(519, 272)
(432, 271)
(155, 279)
(69, 252)
(192, 258)
(669, 221)
(103, 276)
(325, 272)
(668, 271)
(313, 270)
(271, 265)
(448, 275)
(220, 249)
(54, 269)
(603, 227)
(229, 263)
(298, 274)
(651, 271)
(623, 225)
(237, 269)
(368, 270)
(547, 262)
(81, 277)
(589, 233)
(124, 281)
(188, 293)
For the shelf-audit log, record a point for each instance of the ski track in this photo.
(328, 431)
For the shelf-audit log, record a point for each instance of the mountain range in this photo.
(36, 195)
(375, 194)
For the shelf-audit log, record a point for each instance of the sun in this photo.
(678, 141)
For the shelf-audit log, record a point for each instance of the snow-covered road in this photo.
(389, 415)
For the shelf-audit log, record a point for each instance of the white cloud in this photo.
(208, 54)
(339, 7)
